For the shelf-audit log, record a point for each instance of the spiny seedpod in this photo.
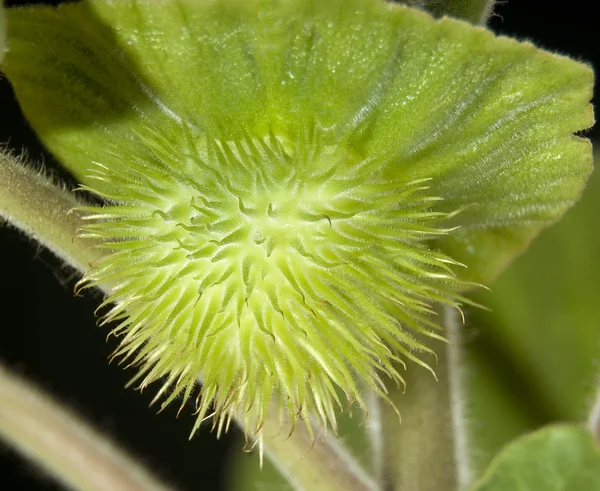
(291, 186)
(271, 266)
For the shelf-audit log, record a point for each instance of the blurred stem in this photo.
(594, 419)
(375, 434)
(322, 465)
(428, 449)
(64, 445)
(44, 211)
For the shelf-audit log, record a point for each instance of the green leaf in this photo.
(475, 11)
(487, 119)
(534, 359)
(2, 30)
(545, 310)
(497, 409)
(556, 458)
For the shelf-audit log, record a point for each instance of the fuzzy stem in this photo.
(456, 381)
(375, 432)
(44, 211)
(593, 422)
(427, 450)
(322, 465)
(62, 444)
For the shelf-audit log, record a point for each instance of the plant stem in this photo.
(375, 434)
(44, 211)
(62, 444)
(322, 465)
(593, 422)
(427, 451)
(456, 382)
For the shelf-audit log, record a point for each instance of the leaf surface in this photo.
(532, 359)
(2, 30)
(556, 458)
(489, 120)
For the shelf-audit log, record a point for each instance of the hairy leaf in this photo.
(557, 458)
(488, 119)
(475, 11)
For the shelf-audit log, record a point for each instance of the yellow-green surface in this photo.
(557, 458)
(286, 177)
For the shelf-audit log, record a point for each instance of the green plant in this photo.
(293, 192)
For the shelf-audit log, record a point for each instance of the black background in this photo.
(51, 337)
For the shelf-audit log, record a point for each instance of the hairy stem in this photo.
(375, 433)
(62, 444)
(322, 465)
(593, 422)
(44, 211)
(428, 449)
(456, 382)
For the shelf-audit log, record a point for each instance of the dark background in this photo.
(51, 337)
